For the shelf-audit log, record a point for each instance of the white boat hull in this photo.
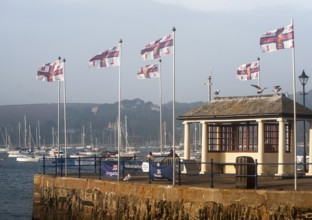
(27, 159)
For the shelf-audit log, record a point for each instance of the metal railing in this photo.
(93, 167)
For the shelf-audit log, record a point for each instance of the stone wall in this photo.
(73, 198)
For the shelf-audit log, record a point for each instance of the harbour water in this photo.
(16, 184)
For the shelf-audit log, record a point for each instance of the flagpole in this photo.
(160, 110)
(259, 72)
(58, 118)
(173, 110)
(295, 111)
(119, 107)
(65, 124)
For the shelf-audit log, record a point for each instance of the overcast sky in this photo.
(217, 35)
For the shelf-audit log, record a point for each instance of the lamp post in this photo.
(303, 80)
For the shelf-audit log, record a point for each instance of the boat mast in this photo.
(25, 132)
(83, 136)
(126, 133)
(91, 136)
(19, 134)
(29, 149)
(39, 136)
(53, 136)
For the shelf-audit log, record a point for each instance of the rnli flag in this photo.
(109, 57)
(158, 48)
(281, 38)
(149, 71)
(51, 71)
(248, 71)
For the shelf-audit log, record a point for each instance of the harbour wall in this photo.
(76, 198)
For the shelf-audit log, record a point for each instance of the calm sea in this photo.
(16, 184)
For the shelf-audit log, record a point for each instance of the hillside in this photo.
(142, 122)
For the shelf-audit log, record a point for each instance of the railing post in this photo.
(179, 170)
(100, 165)
(211, 173)
(61, 165)
(123, 168)
(149, 171)
(43, 165)
(55, 160)
(256, 174)
(94, 163)
(79, 169)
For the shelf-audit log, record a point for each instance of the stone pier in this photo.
(73, 198)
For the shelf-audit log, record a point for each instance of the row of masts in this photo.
(28, 137)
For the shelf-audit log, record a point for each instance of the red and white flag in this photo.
(52, 71)
(158, 48)
(150, 71)
(281, 38)
(248, 71)
(109, 57)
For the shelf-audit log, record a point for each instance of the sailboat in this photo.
(129, 151)
(27, 156)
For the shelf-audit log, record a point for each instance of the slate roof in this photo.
(264, 106)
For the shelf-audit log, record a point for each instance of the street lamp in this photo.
(303, 80)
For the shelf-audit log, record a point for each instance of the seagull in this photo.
(276, 89)
(127, 178)
(217, 92)
(259, 89)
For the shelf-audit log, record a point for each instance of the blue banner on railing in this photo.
(165, 172)
(110, 170)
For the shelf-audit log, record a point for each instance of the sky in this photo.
(213, 37)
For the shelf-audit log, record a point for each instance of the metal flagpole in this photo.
(65, 124)
(119, 107)
(160, 110)
(259, 72)
(295, 113)
(58, 119)
(173, 110)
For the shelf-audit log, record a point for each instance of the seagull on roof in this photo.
(127, 178)
(276, 89)
(217, 92)
(259, 89)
